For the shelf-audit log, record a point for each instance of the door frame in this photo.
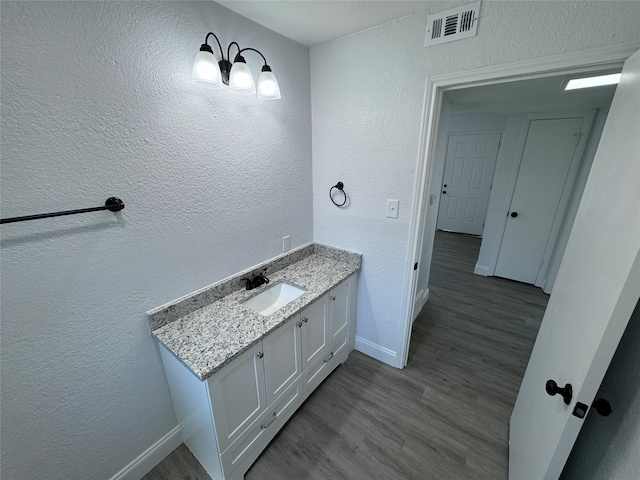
(576, 161)
(568, 63)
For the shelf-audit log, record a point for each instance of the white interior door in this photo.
(550, 150)
(597, 288)
(468, 173)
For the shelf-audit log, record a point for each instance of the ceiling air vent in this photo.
(453, 24)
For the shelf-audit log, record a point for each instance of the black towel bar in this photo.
(113, 204)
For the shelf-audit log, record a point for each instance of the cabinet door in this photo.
(338, 310)
(314, 331)
(237, 395)
(282, 358)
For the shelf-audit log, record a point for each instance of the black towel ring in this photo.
(339, 186)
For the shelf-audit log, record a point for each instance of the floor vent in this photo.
(453, 24)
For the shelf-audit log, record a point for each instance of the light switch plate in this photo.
(286, 244)
(392, 208)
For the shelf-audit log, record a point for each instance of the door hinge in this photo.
(415, 266)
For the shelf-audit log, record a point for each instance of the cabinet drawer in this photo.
(316, 373)
(245, 450)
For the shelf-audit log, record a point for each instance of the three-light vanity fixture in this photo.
(209, 73)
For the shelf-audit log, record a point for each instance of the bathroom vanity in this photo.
(236, 375)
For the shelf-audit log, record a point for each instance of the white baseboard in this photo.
(376, 351)
(421, 300)
(152, 456)
(482, 270)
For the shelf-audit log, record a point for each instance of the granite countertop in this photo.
(209, 337)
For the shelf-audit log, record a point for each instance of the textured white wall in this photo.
(97, 101)
(367, 94)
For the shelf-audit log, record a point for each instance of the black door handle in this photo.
(567, 391)
(603, 407)
(514, 214)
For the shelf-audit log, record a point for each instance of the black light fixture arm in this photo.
(225, 63)
(205, 46)
(229, 50)
(254, 50)
(206, 74)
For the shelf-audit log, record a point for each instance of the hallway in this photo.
(445, 416)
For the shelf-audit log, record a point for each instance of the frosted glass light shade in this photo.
(206, 72)
(268, 88)
(241, 79)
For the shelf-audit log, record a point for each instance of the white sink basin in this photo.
(274, 298)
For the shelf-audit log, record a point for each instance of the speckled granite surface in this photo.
(211, 335)
(165, 314)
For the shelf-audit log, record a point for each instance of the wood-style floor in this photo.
(445, 416)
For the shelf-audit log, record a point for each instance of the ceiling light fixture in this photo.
(588, 82)
(209, 73)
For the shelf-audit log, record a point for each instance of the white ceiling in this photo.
(312, 22)
(536, 95)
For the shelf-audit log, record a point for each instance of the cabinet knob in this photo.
(299, 324)
(260, 355)
(305, 319)
(332, 298)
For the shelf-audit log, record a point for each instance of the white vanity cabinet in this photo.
(282, 358)
(230, 418)
(279, 356)
(238, 396)
(339, 304)
(313, 328)
(339, 333)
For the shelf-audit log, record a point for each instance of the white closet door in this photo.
(468, 173)
(548, 154)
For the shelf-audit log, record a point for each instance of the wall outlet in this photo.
(286, 244)
(392, 208)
